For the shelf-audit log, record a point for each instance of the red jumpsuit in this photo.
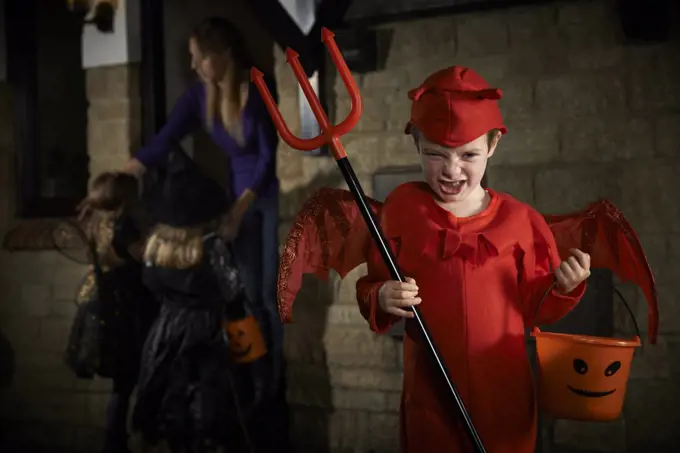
(481, 279)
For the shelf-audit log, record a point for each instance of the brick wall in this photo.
(46, 403)
(589, 117)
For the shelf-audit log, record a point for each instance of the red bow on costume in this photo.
(473, 247)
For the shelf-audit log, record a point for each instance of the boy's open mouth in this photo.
(451, 187)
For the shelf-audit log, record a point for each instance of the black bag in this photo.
(91, 345)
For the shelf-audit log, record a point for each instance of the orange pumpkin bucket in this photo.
(582, 377)
(245, 340)
(241, 332)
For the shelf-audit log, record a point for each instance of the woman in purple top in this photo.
(233, 113)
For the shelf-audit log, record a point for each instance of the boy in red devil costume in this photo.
(482, 266)
(481, 261)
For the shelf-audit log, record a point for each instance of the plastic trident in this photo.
(330, 135)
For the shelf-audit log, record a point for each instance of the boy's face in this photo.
(454, 173)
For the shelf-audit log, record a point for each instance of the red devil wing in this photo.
(602, 231)
(328, 233)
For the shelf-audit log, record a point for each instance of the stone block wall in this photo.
(589, 116)
(114, 117)
(46, 404)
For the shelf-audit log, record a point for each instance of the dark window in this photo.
(48, 86)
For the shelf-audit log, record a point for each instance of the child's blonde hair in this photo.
(110, 195)
(176, 248)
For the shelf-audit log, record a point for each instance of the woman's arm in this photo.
(242, 204)
(184, 119)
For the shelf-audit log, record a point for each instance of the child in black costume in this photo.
(189, 387)
(114, 228)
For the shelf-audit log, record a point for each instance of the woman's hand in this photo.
(230, 226)
(231, 222)
(572, 272)
(396, 297)
(134, 167)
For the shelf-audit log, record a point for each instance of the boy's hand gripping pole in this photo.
(331, 136)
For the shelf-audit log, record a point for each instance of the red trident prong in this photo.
(287, 136)
(330, 134)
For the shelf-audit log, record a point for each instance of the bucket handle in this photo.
(613, 288)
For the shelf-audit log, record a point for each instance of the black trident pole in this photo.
(395, 273)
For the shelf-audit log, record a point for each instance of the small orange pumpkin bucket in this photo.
(583, 377)
(244, 338)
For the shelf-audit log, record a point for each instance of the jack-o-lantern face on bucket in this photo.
(582, 377)
(581, 368)
(246, 343)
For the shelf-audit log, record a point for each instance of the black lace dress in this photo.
(187, 387)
